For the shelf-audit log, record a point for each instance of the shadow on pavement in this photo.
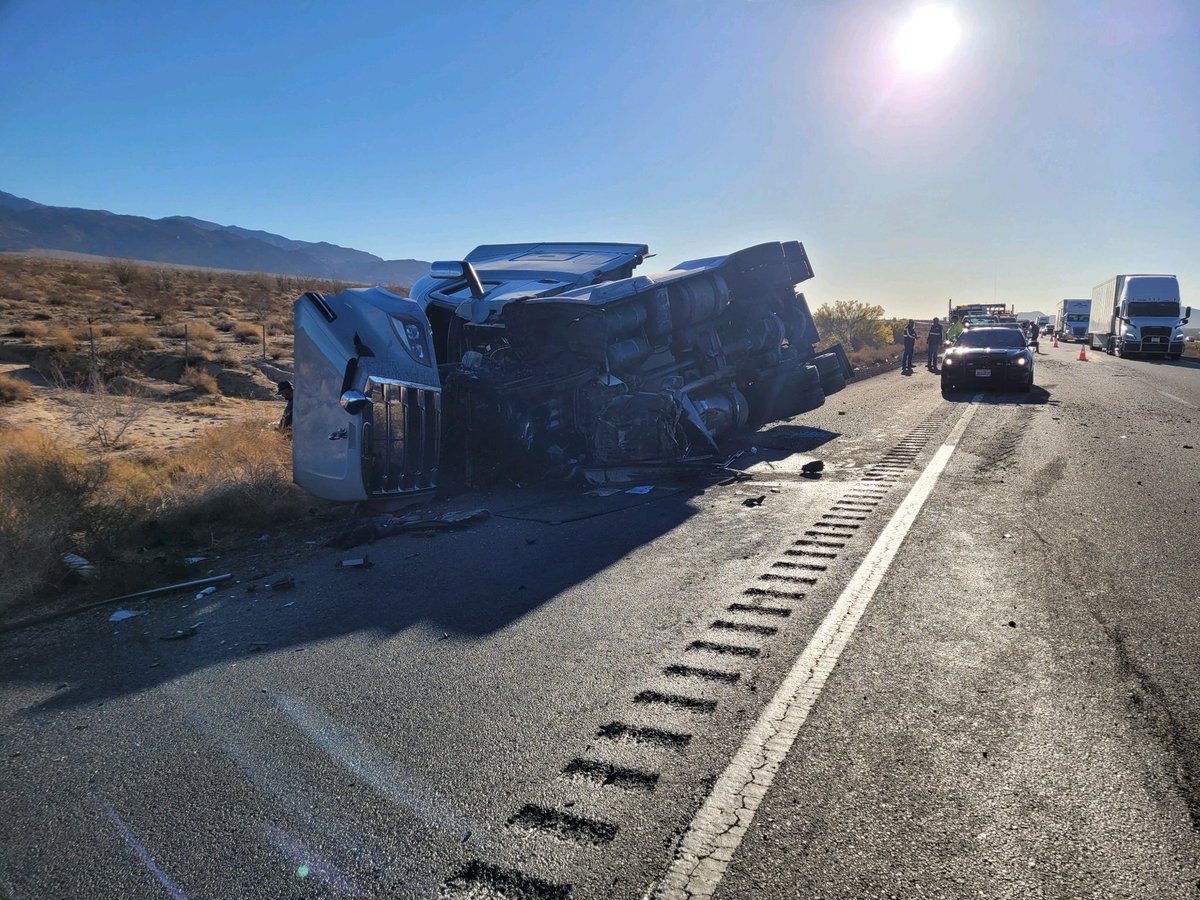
(1036, 396)
(469, 583)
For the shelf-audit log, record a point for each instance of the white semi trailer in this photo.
(1071, 319)
(1138, 314)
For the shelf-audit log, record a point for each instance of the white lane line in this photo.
(1177, 399)
(723, 819)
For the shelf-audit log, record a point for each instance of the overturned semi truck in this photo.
(525, 361)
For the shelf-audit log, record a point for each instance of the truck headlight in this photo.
(412, 336)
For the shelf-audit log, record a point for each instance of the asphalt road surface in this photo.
(961, 663)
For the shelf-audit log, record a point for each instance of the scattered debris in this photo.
(122, 614)
(1012, 624)
(207, 592)
(386, 526)
(641, 489)
(602, 492)
(1007, 536)
(445, 635)
(754, 501)
(192, 560)
(179, 635)
(167, 588)
(289, 603)
(362, 562)
(259, 646)
(286, 583)
(814, 467)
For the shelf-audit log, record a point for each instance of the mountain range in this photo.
(28, 225)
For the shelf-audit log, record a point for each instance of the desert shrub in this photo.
(126, 271)
(31, 331)
(48, 492)
(853, 324)
(247, 332)
(14, 390)
(136, 336)
(199, 380)
(202, 331)
(105, 417)
(235, 474)
(57, 339)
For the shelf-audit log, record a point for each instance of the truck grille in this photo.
(401, 438)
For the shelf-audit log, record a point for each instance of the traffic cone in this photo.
(1056, 342)
(1083, 352)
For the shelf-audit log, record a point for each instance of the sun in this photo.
(928, 38)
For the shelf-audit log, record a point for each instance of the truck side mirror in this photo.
(456, 270)
(354, 402)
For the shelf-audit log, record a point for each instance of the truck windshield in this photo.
(992, 337)
(1077, 317)
(1167, 308)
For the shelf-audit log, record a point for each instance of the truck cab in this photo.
(1139, 314)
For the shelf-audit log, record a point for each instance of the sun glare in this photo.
(927, 39)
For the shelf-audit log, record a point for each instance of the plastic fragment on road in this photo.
(192, 560)
(640, 489)
(362, 562)
(122, 614)
(754, 501)
(208, 591)
(386, 526)
(79, 566)
(286, 583)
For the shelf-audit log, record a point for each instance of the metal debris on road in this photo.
(286, 583)
(207, 592)
(386, 526)
(754, 501)
(813, 468)
(641, 489)
(362, 562)
(179, 635)
(122, 614)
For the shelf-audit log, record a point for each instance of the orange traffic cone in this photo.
(1083, 352)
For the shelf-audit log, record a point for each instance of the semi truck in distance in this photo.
(1071, 319)
(1138, 314)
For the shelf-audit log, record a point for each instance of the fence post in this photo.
(187, 360)
(264, 334)
(92, 351)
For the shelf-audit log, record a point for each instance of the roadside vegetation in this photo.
(868, 338)
(137, 417)
(132, 516)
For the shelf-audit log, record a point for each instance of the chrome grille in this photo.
(401, 438)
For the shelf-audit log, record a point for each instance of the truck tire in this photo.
(833, 379)
(1121, 350)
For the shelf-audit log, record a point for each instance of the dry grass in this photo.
(14, 390)
(55, 499)
(136, 336)
(199, 380)
(247, 332)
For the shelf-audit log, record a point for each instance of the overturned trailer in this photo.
(530, 360)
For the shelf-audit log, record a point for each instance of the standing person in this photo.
(955, 329)
(286, 391)
(910, 341)
(935, 344)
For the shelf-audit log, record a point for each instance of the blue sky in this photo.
(1058, 145)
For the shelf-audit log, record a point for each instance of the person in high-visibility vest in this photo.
(910, 342)
(935, 344)
(954, 329)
